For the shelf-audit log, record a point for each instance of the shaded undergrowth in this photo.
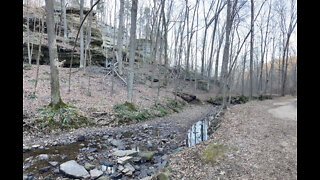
(237, 99)
(66, 117)
(130, 113)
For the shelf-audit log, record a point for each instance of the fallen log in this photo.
(185, 96)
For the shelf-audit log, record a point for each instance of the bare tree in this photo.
(39, 53)
(263, 47)
(272, 65)
(243, 70)
(56, 101)
(65, 27)
(28, 33)
(287, 31)
(196, 54)
(119, 40)
(74, 46)
(225, 57)
(165, 24)
(216, 17)
(251, 50)
(218, 54)
(191, 34)
(132, 49)
(81, 36)
(88, 38)
(207, 25)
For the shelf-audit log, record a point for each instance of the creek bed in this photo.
(98, 150)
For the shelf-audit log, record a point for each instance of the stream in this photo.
(146, 147)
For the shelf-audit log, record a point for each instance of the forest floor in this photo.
(256, 140)
(98, 104)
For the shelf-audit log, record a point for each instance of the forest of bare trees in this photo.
(121, 89)
(233, 47)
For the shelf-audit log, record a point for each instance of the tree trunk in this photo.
(203, 49)
(160, 54)
(272, 66)
(120, 40)
(196, 53)
(165, 24)
(39, 54)
(156, 49)
(113, 51)
(243, 71)
(225, 58)
(88, 38)
(65, 28)
(81, 36)
(212, 44)
(264, 49)
(28, 33)
(56, 101)
(189, 39)
(266, 76)
(217, 60)
(132, 48)
(251, 50)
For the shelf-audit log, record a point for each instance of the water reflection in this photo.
(198, 132)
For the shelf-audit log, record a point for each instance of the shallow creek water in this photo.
(198, 132)
(97, 148)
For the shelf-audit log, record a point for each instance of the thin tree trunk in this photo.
(39, 54)
(120, 40)
(217, 60)
(65, 28)
(74, 46)
(212, 43)
(190, 39)
(264, 49)
(243, 71)
(160, 54)
(285, 73)
(203, 49)
(81, 37)
(88, 38)
(156, 49)
(165, 23)
(266, 76)
(113, 51)
(28, 33)
(132, 48)
(33, 35)
(196, 54)
(272, 66)
(251, 50)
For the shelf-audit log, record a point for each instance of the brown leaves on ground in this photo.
(259, 146)
(98, 104)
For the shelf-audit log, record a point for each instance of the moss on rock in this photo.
(212, 153)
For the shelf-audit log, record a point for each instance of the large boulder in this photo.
(73, 169)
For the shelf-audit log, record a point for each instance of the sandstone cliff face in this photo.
(64, 50)
(102, 38)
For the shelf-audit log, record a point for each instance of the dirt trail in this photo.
(285, 110)
(261, 141)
